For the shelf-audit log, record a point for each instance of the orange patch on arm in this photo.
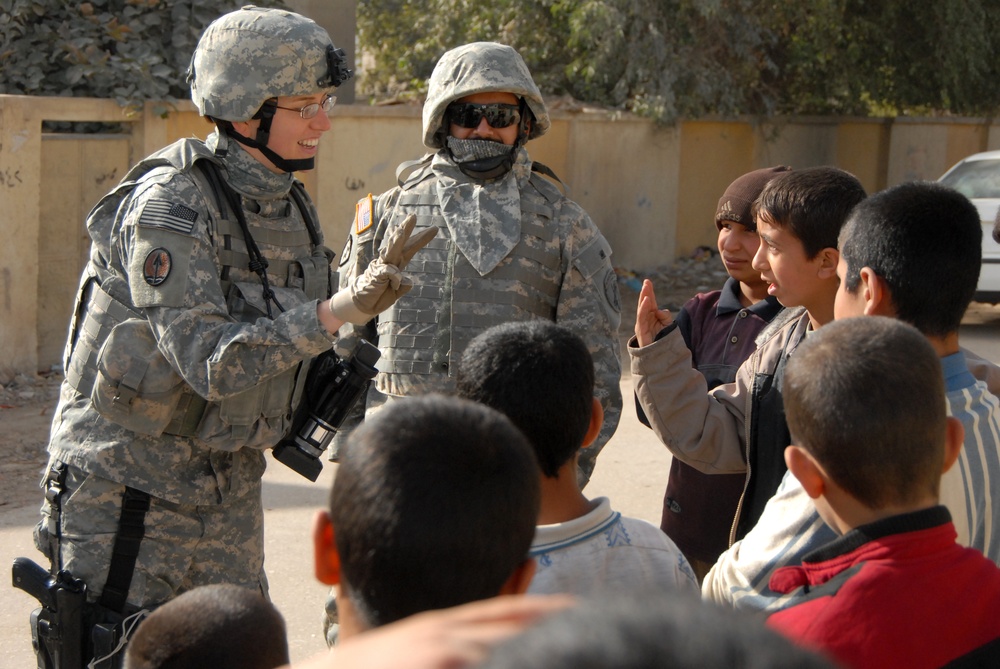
(363, 215)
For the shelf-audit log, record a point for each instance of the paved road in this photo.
(631, 471)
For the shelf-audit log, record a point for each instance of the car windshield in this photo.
(975, 179)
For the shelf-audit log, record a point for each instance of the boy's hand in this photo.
(648, 319)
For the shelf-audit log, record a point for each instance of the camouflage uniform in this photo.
(508, 248)
(169, 312)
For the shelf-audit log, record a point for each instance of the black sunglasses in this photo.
(469, 114)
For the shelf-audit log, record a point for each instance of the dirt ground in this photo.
(26, 405)
(27, 402)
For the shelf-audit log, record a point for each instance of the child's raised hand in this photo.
(648, 319)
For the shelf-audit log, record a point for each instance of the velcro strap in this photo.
(426, 199)
(593, 257)
(119, 311)
(537, 208)
(409, 366)
(128, 388)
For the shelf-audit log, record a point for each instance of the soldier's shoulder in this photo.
(167, 182)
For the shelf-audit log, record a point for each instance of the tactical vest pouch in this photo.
(312, 274)
(135, 386)
(259, 416)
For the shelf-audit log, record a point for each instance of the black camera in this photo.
(333, 387)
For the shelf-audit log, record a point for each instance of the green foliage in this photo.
(129, 50)
(672, 58)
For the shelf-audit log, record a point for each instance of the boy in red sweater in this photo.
(865, 403)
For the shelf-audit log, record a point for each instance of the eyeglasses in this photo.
(469, 114)
(310, 111)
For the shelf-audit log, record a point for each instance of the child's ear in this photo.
(876, 293)
(519, 581)
(805, 468)
(828, 259)
(326, 560)
(596, 421)
(954, 440)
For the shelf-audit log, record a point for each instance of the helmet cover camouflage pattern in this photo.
(252, 54)
(480, 67)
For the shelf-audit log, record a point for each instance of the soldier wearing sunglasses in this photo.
(510, 245)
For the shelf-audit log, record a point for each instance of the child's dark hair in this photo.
(637, 630)
(812, 203)
(434, 505)
(925, 241)
(865, 397)
(541, 376)
(211, 627)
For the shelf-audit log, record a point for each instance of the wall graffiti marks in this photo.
(101, 179)
(10, 178)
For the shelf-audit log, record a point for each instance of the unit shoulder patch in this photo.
(156, 266)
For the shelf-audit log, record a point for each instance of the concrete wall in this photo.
(652, 190)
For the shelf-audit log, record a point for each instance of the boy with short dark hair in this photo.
(541, 376)
(865, 404)
(433, 505)
(739, 427)
(910, 252)
(211, 627)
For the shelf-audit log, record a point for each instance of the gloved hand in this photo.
(383, 282)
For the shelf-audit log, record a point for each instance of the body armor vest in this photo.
(111, 355)
(422, 336)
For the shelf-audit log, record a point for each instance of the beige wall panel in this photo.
(554, 149)
(917, 152)
(798, 144)
(965, 139)
(186, 123)
(624, 173)
(863, 150)
(712, 155)
(77, 172)
(652, 191)
(20, 166)
(359, 156)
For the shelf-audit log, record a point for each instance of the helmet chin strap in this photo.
(265, 114)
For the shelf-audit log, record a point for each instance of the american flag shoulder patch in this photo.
(167, 215)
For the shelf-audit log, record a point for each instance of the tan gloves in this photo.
(383, 282)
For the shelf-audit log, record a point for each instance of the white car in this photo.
(978, 178)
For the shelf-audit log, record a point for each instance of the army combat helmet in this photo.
(482, 67)
(248, 57)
